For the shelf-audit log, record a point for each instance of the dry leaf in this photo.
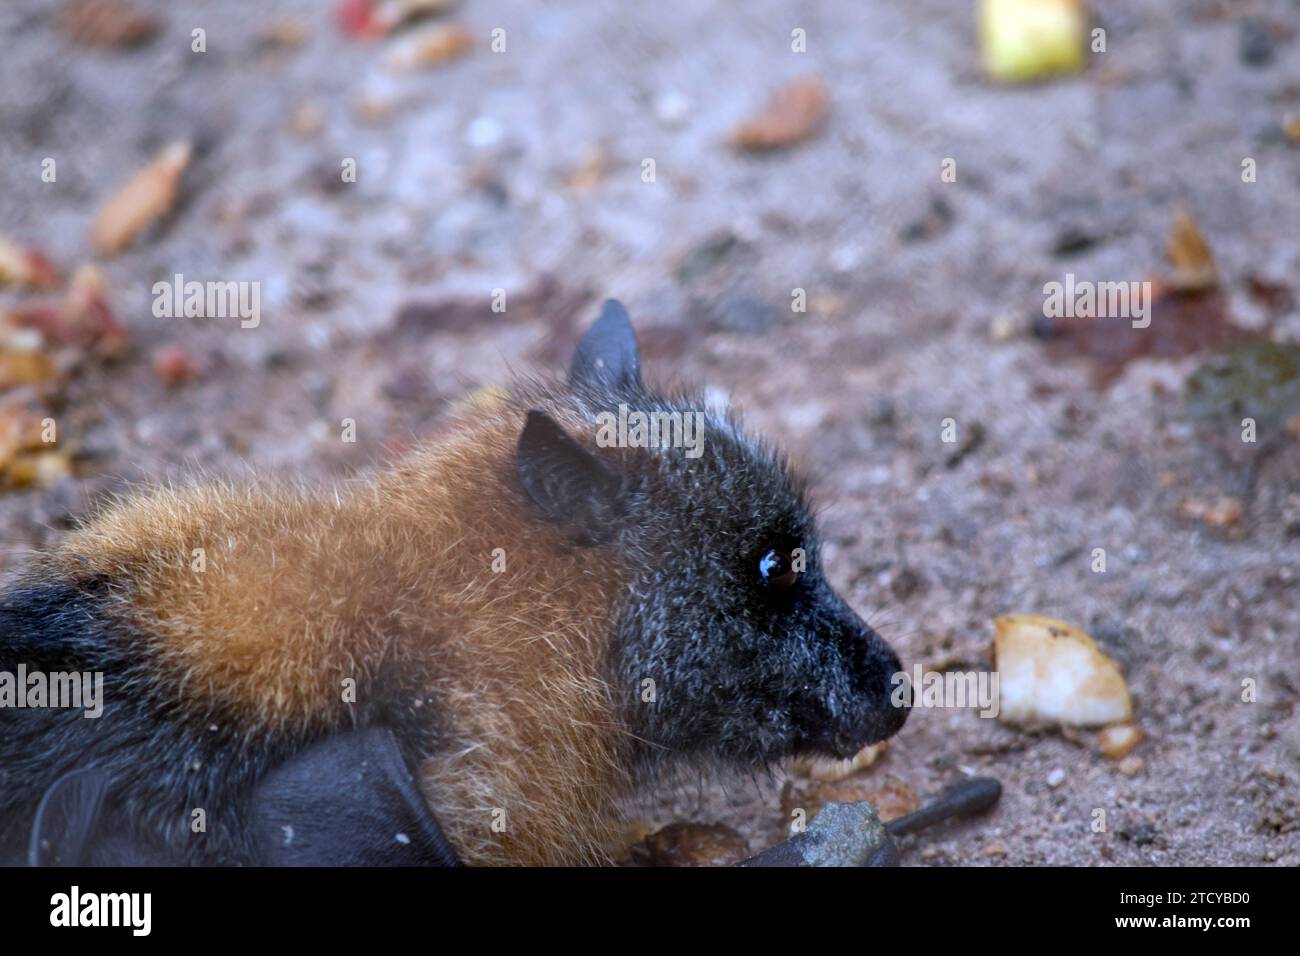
(25, 266)
(591, 171)
(307, 119)
(1189, 253)
(87, 316)
(890, 795)
(373, 106)
(82, 319)
(1053, 673)
(141, 200)
(396, 12)
(1223, 514)
(106, 23)
(357, 19)
(174, 365)
(42, 468)
(431, 46)
(284, 34)
(15, 433)
(1291, 126)
(23, 363)
(22, 432)
(691, 844)
(1292, 426)
(368, 19)
(794, 113)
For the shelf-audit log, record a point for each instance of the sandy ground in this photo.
(522, 171)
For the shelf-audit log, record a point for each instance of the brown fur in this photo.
(303, 589)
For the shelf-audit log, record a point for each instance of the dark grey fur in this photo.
(742, 673)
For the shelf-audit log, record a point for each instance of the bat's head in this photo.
(730, 642)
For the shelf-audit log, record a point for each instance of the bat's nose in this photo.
(889, 685)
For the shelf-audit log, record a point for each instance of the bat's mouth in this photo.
(841, 743)
(842, 746)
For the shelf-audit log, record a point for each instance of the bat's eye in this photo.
(777, 569)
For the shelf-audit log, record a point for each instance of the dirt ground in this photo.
(522, 171)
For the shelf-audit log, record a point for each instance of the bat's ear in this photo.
(567, 482)
(608, 355)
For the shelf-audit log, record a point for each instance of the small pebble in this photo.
(672, 108)
(1116, 741)
(484, 132)
(994, 851)
(1002, 328)
(906, 583)
(1141, 835)
(1255, 45)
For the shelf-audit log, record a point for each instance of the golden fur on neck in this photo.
(303, 590)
